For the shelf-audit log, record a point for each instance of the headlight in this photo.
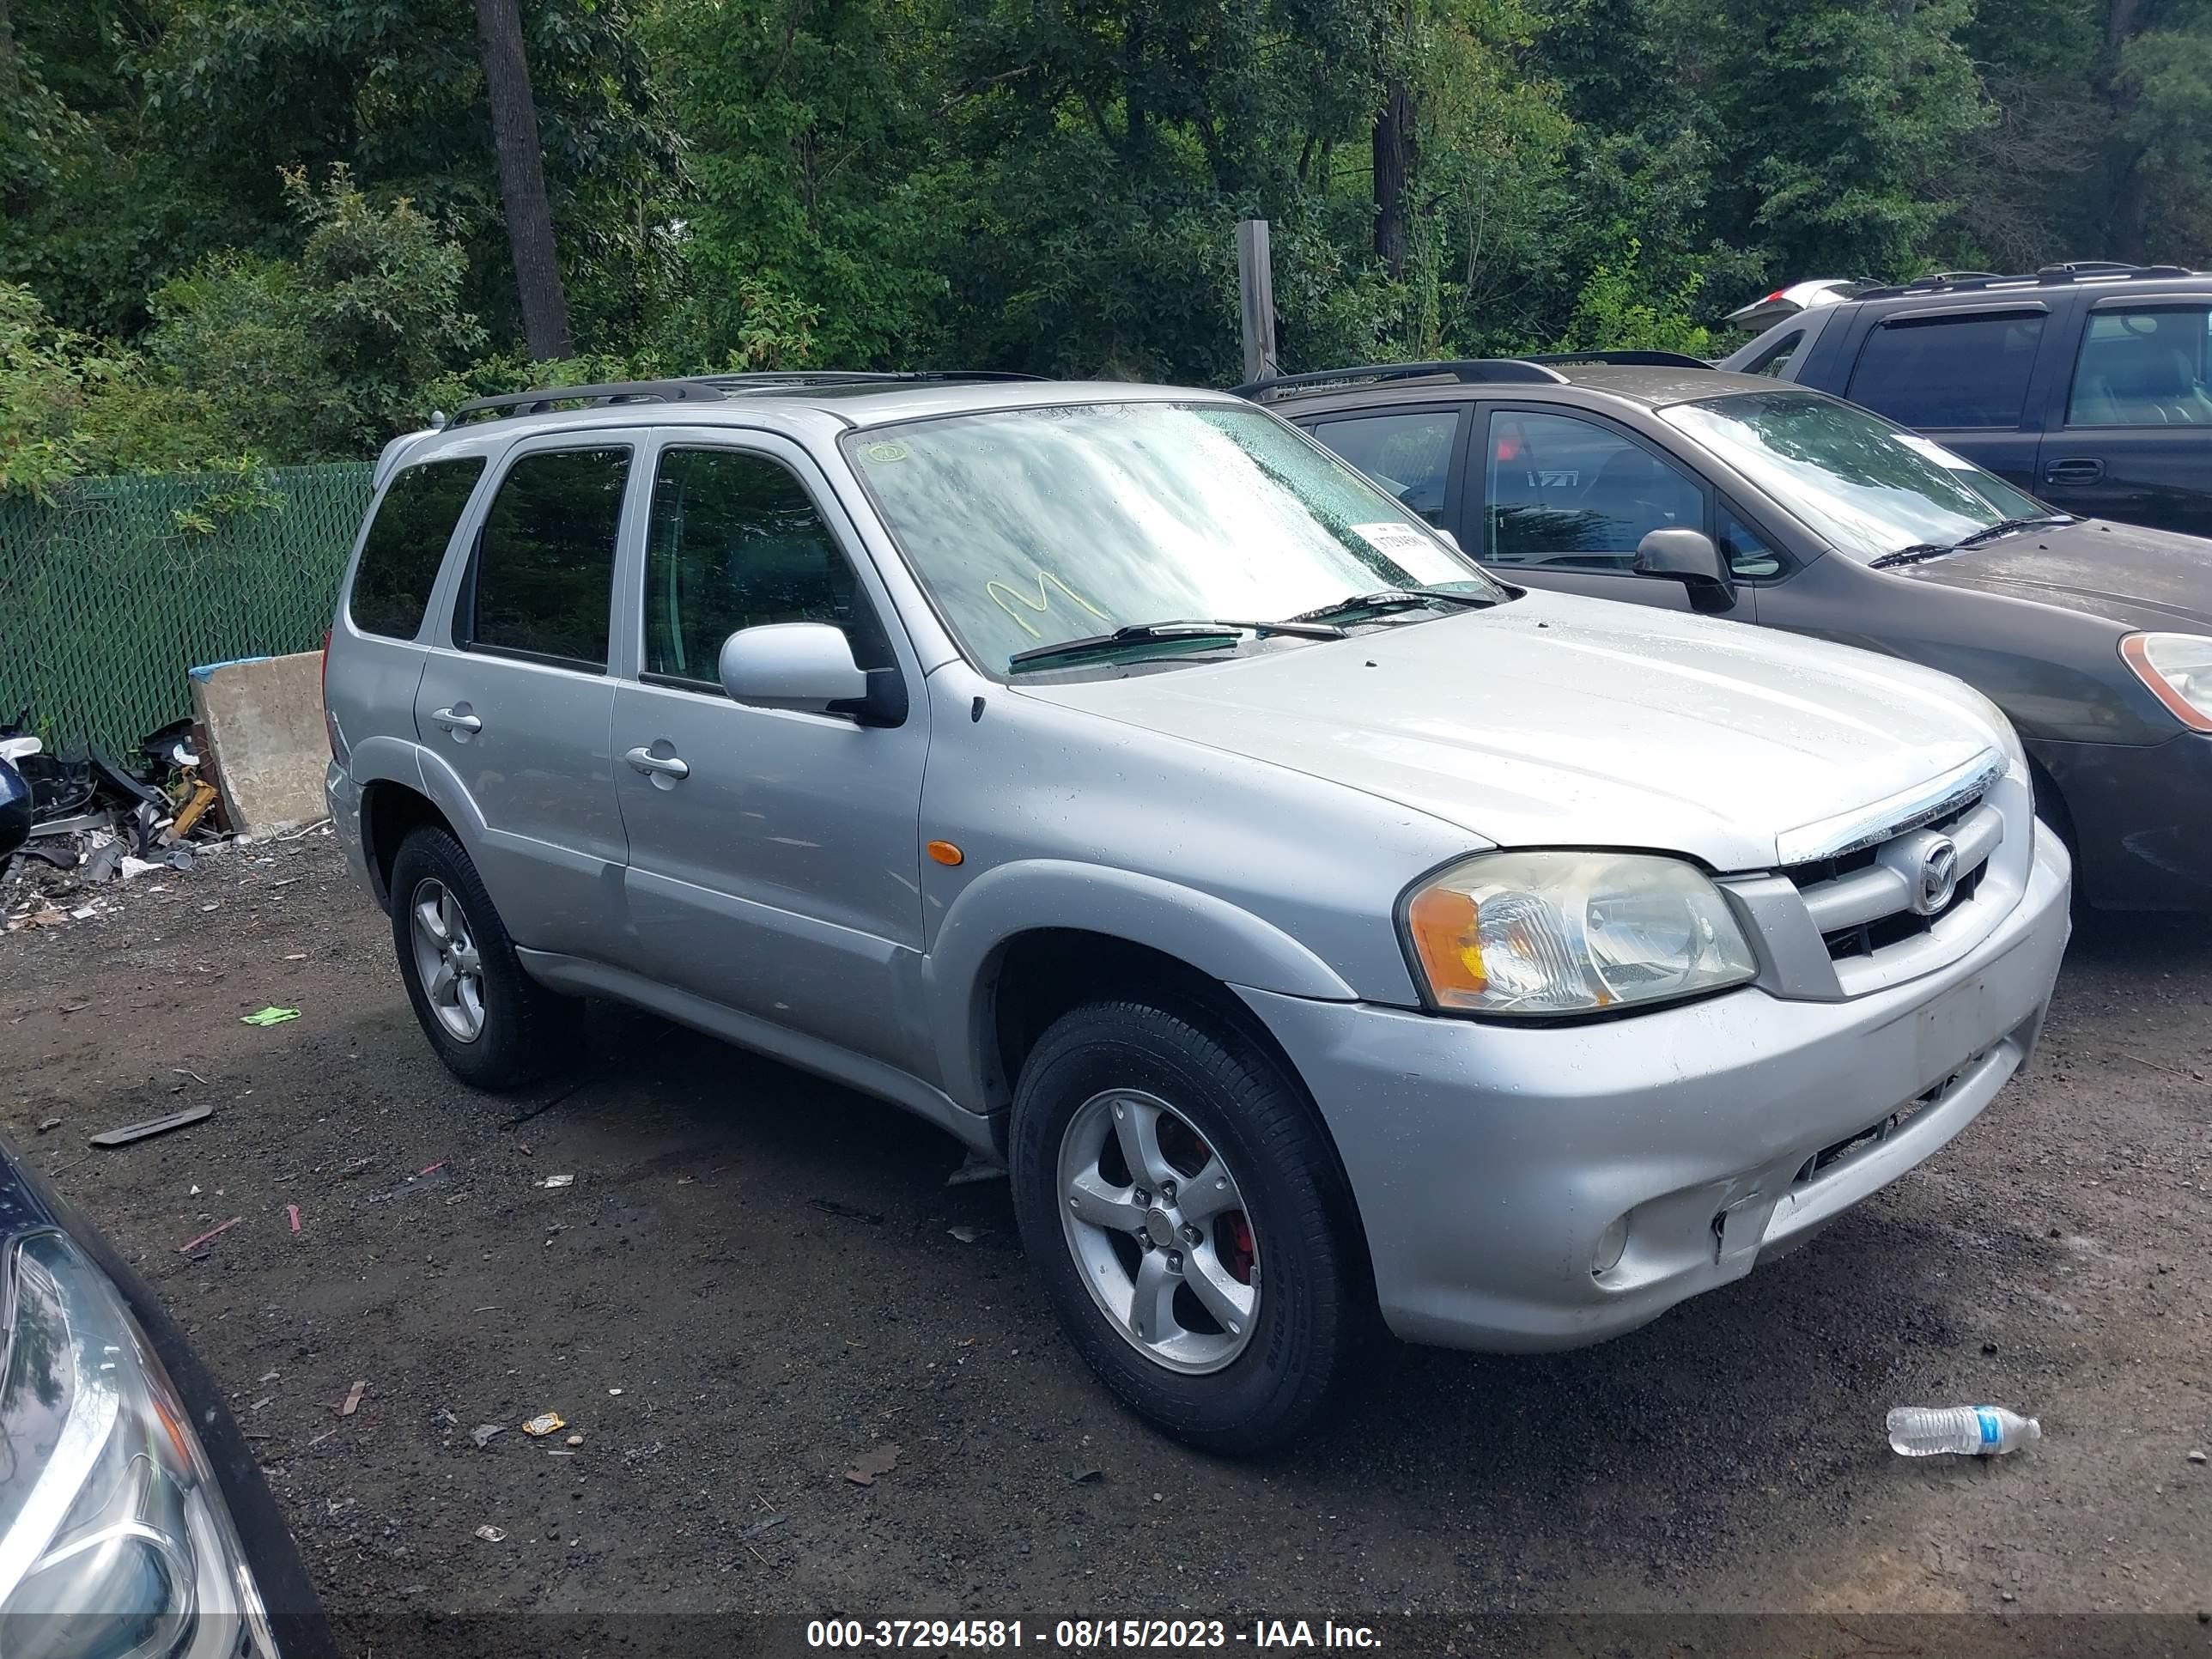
(2016, 752)
(1548, 934)
(2178, 669)
(114, 1539)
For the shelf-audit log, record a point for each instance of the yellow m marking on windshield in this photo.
(1005, 596)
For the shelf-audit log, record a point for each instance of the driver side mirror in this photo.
(809, 667)
(1689, 557)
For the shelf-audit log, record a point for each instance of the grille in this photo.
(1863, 901)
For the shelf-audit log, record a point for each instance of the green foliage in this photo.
(1621, 309)
(46, 375)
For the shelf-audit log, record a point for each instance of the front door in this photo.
(512, 707)
(1966, 377)
(774, 855)
(2136, 444)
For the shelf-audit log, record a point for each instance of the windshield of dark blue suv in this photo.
(1033, 527)
(1869, 487)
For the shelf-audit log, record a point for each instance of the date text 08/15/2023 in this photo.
(1085, 1634)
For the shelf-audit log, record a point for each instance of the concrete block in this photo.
(264, 720)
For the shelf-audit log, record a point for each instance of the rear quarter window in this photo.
(406, 544)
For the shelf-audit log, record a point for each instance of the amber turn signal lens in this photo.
(1441, 922)
(944, 852)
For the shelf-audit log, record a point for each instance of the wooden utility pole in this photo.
(522, 180)
(1255, 289)
(1393, 166)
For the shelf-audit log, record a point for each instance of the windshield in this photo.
(1869, 487)
(1031, 527)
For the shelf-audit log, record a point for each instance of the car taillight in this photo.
(329, 725)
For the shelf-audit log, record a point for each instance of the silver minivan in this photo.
(1320, 931)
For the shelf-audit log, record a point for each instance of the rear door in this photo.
(515, 700)
(774, 855)
(1416, 453)
(1561, 499)
(1966, 376)
(2135, 439)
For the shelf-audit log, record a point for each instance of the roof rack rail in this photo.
(1954, 281)
(1474, 371)
(617, 392)
(1623, 359)
(769, 377)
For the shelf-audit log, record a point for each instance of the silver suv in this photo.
(1320, 930)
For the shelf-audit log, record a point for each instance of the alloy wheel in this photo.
(447, 960)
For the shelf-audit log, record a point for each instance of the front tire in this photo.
(491, 1023)
(1186, 1212)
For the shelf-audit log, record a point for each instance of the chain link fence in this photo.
(112, 592)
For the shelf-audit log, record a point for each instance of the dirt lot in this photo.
(750, 1283)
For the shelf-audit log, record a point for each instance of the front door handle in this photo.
(666, 765)
(2072, 470)
(452, 722)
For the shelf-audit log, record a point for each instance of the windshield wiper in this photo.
(1920, 551)
(1387, 599)
(1172, 632)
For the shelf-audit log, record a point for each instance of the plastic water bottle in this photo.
(1976, 1430)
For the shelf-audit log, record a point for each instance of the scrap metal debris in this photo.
(151, 1127)
(484, 1433)
(492, 1535)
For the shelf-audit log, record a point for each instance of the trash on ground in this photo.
(966, 1234)
(353, 1400)
(49, 1123)
(543, 1423)
(831, 1206)
(152, 1125)
(269, 1017)
(558, 1181)
(2196, 1457)
(484, 1433)
(190, 1245)
(613, 1391)
(574, 1440)
(767, 1523)
(1971, 1431)
(877, 1460)
(492, 1535)
(1087, 1477)
(292, 1215)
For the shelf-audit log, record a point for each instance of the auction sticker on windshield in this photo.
(1418, 554)
(1934, 452)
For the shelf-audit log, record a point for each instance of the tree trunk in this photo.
(10, 82)
(522, 180)
(1393, 166)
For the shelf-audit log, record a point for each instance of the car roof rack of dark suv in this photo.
(1474, 371)
(1622, 359)
(709, 388)
(1966, 282)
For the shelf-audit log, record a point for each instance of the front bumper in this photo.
(1488, 1160)
(2139, 812)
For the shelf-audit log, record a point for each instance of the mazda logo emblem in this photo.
(1939, 876)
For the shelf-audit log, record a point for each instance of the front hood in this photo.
(2125, 573)
(1556, 720)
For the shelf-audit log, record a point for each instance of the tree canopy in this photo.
(254, 227)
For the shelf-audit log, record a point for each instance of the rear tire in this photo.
(1132, 1125)
(493, 1025)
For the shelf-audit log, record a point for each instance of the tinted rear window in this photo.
(543, 574)
(406, 544)
(1972, 372)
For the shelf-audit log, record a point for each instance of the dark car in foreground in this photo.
(1664, 481)
(133, 1518)
(2088, 385)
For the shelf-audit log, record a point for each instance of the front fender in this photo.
(1213, 935)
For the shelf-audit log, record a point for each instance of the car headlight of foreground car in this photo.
(115, 1542)
(2178, 669)
(1545, 934)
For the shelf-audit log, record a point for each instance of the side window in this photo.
(1968, 372)
(406, 544)
(1409, 455)
(735, 543)
(2143, 369)
(1562, 491)
(1750, 558)
(542, 578)
(1774, 360)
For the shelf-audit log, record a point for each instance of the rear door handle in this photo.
(2076, 469)
(667, 765)
(452, 722)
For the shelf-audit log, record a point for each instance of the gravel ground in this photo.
(750, 1283)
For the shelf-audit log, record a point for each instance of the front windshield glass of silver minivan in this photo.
(1031, 527)
(1870, 489)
